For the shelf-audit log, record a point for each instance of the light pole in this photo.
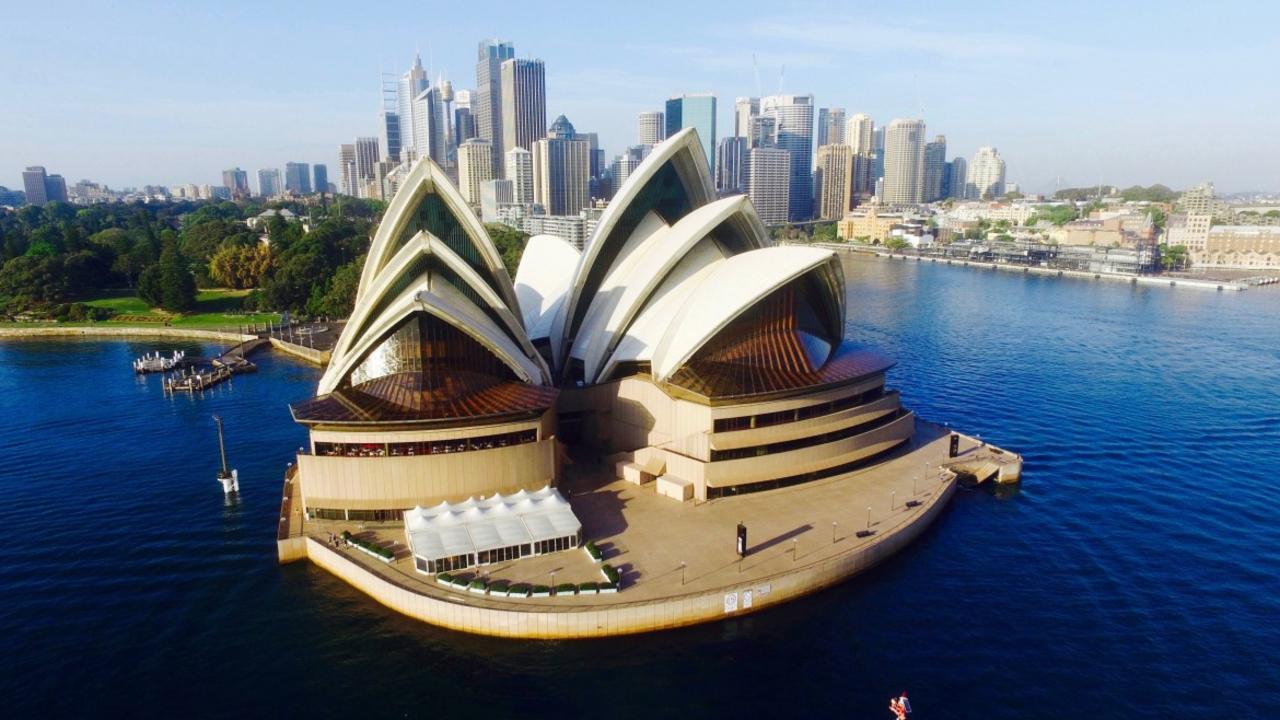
(682, 567)
(833, 532)
(553, 582)
(893, 500)
(868, 517)
(795, 545)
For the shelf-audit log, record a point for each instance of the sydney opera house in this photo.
(681, 345)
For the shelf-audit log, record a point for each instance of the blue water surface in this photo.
(1136, 572)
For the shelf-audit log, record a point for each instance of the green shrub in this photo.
(566, 589)
(588, 586)
(541, 589)
(500, 586)
(477, 585)
(445, 577)
(594, 551)
(520, 589)
(611, 572)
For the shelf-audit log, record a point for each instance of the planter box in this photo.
(609, 591)
(542, 594)
(593, 558)
(478, 591)
(589, 591)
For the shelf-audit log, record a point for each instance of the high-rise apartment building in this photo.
(698, 112)
(958, 170)
(297, 178)
(935, 168)
(763, 132)
(519, 170)
(367, 158)
(464, 119)
(347, 168)
(475, 166)
(877, 150)
(492, 194)
(731, 166)
(486, 102)
(626, 163)
(562, 170)
(904, 162)
(833, 180)
(524, 103)
(769, 183)
(268, 183)
(744, 110)
(391, 134)
(320, 173)
(237, 182)
(831, 126)
(794, 132)
(653, 129)
(986, 175)
(859, 134)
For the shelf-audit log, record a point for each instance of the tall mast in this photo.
(222, 448)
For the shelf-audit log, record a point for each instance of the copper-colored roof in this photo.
(775, 364)
(409, 397)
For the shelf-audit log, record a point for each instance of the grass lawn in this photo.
(214, 309)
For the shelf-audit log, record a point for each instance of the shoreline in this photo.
(310, 355)
(1218, 285)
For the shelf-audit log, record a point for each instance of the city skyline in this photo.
(1075, 96)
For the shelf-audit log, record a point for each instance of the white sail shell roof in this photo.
(542, 281)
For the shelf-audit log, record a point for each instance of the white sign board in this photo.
(730, 602)
(746, 599)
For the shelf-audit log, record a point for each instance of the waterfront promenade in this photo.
(677, 560)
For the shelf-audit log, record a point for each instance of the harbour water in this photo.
(1136, 572)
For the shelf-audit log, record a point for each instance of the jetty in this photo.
(155, 362)
(220, 369)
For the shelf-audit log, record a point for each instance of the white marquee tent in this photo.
(450, 536)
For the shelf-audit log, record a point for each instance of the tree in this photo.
(169, 283)
(510, 243)
(240, 266)
(34, 279)
(339, 297)
(895, 243)
(1174, 257)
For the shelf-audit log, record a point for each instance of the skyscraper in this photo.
(297, 178)
(957, 182)
(486, 102)
(877, 150)
(237, 181)
(833, 179)
(561, 170)
(653, 129)
(904, 162)
(794, 117)
(935, 168)
(475, 166)
(411, 84)
(698, 112)
(744, 109)
(626, 163)
(769, 183)
(492, 194)
(763, 132)
(430, 136)
(524, 103)
(347, 168)
(519, 170)
(321, 174)
(268, 182)
(391, 133)
(731, 166)
(366, 164)
(464, 120)
(859, 134)
(830, 126)
(986, 175)
(35, 182)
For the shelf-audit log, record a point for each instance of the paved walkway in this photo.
(665, 548)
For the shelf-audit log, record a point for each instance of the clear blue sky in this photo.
(129, 93)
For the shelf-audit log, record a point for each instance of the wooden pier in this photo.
(222, 368)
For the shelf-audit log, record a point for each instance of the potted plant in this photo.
(566, 589)
(593, 551)
(541, 591)
(588, 588)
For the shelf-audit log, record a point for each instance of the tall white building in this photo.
(904, 162)
(366, 164)
(859, 134)
(986, 174)
(347, 168)
(831, 126)
(475, 166)
(519, 170)
(524, 103)
(744, 110)
(769, 183)
(652, 127)
(411, 84)
(430, 134)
